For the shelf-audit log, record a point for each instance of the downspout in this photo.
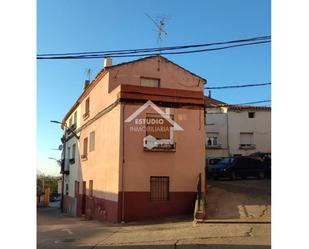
(122, 169)
(227, 132)
(62, 187)
(205, 167)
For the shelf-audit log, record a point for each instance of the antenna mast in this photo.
(88, 73)
(160, 28)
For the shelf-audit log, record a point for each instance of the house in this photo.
(140, 146)
(236, 130)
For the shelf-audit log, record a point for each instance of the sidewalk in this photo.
(56, 230)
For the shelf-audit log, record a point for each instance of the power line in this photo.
(237, 86)
(254, 102)
(160, 49)
(151, 51)
(146, 54)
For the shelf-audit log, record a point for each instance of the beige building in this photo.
(141, 142)
(236, 130)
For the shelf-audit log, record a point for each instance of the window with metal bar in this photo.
(159, 188)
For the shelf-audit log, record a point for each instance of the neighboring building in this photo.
(236, 130)
(132, 161)
(71, 169)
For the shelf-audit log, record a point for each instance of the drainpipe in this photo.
(62, 185)
(227, 132)
(122, 169)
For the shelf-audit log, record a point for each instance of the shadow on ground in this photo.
(239, 199)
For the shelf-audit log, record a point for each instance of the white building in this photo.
(71, 165)
(236, 130)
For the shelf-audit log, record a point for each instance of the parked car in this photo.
(211, 162)
(54, 198)
(266, 157)
(235, 167)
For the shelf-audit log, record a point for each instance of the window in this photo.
(76, 188)
(87, 108)
(157, 126)
(85, 147)
(73, 151)
(69, 152)
(66, 189)
(70, 122)
(246, 139)
(90, 188)
(213, 139)
(251, 114)
(92, 141)
(159, 188)
(150, 82)
(75, 118)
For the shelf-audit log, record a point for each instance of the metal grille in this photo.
(159, 188)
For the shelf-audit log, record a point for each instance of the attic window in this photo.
(150, 82)
(251, 114)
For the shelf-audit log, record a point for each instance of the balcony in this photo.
(163, 145)
(72, 128)
(213, 146)
(247, 146)
(64, 170)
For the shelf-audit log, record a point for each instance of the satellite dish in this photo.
(60, 147)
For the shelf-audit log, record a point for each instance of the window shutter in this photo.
(246, 138)
(85, 145)
(92, 141)
(73, 151)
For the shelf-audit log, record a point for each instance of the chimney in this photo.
(107, 62)
(86, 84)
(209, 94)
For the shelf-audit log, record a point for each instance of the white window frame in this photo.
(211, 136)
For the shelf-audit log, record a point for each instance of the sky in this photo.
(80, 25)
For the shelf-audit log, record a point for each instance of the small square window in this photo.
(251, 114)
(150, 82)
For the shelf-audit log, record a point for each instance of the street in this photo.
(245, 200)
(244, 225)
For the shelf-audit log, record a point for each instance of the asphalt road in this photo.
(56, 230)
(246, 200)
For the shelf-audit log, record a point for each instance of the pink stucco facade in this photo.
(119, 166)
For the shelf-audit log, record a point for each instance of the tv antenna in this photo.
(160, 25)
(88, 73)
